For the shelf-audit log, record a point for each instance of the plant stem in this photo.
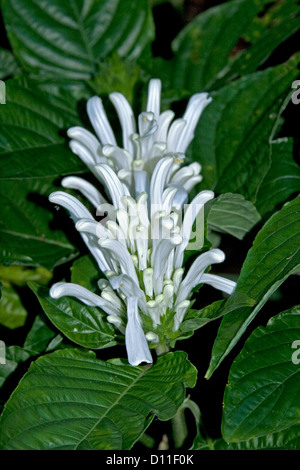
(180, 431)
(179, 427)
(147, 441)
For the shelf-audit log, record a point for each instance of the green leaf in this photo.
(33, 125)
(228, 41)
(274, 256)
(275, 23)
(263, 393)
(18, 275)
(231, 213)
(25, 234)
(85, 272)
(38, 337)
(13, 356)
(198, 318)
(67, 39)
(86, 326)
(203, 47)
(288, 439)
(12, 312)
(8, 64)
(70, 400)
(236, 156)
(33, 153)
(36, 342)
(282, 179)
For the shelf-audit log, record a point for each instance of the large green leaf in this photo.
(233, 137)
(288, 439)
(228, 41)
(8, 64)
(37, 340)
(19, 275)
(86, 272)
(203, 47)
(274, 256)
(282, 179)
(233, 214)
(25, 234)
(38, 337)
(12, 312)
(13, 356)
(67, 39)
(33, 124)
(86, 326)
(276, 22)
(71, 400)
(33, 154)
(263, 394)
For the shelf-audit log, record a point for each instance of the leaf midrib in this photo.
(36, 238)
(112, 406)
(82, 32)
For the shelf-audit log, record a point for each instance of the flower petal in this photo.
(218, 282)
(99, 121)
(86, 138)
(158, 182)
(73, 205)
(180, 312)
(189, 217)
(121, 255)
(174, 133)
(121, 157)
(159, 260)
(93, 227)
(153, 103)
(111, 181)
(195, 107)
(83, 153)
(135, 339)
(142, 182)
(126, 118)
(128, 287)
(86, 188)
(196, 271)
(164, 122)
(61, 289)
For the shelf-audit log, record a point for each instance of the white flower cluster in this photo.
(140, 248)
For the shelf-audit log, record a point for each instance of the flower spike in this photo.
(140, 245)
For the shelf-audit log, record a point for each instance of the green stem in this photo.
(179, 427)
(147, 441)
(180, 431)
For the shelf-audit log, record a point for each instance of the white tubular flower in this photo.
(86, 189)
(194, 275)
(62, 289)
(145, 141)
(189, 217)
(136, 342)
(78, 211)
(140, 246)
